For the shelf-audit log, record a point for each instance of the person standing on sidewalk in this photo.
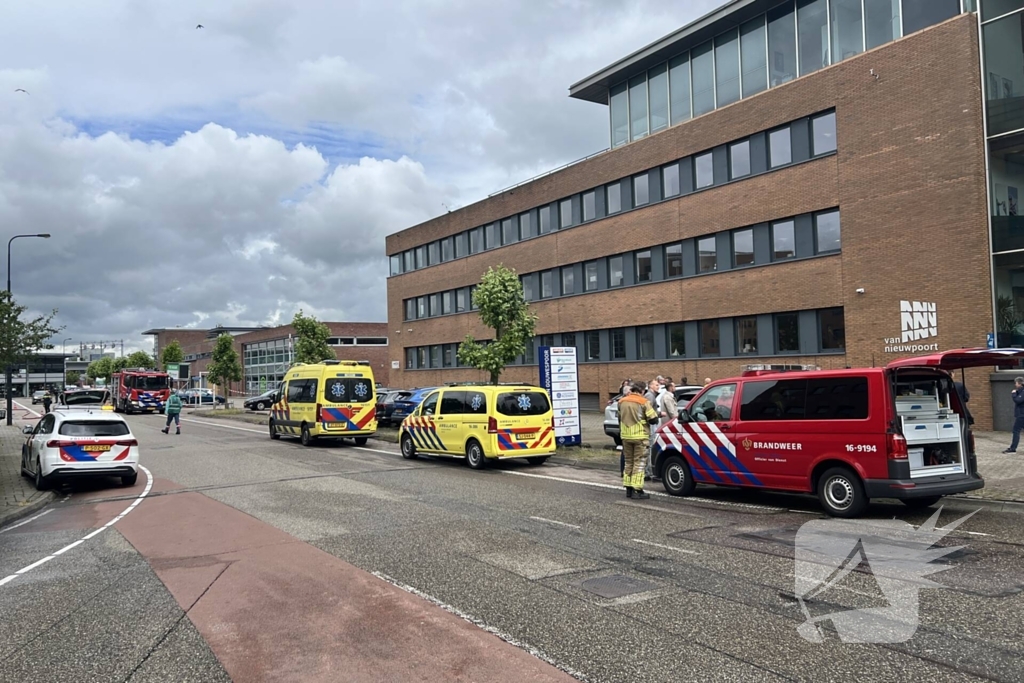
(1018, 413)
(173, 411)
(669, 407)
(635, 416)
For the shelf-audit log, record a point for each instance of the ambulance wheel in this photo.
(676, 477)
(274, 434)
(921, 503)
(130, 479)
(537, 460)
(841, 493)
(361, 440)
(408, 448)
(475, 456)
(305, 438)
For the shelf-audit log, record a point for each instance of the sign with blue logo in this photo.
(558, 374)
(991, 341)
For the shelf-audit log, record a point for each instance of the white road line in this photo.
(25, 521)
(806, 512)
(27, 410)
(240, 429)
(25, 570)
(976, 533)
(666, 547)
(555, 521)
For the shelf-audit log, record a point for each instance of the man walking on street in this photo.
(173, 411)
(635, 416)
(1018, 413)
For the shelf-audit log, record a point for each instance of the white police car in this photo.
(72, 443)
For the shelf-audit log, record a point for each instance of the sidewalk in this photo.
(18, 496)
(1003, 472)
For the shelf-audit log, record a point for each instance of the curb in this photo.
(585, 464)
(26, 510)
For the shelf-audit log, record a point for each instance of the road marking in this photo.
(806, 512)
(976, 533)
(666, 547)
(26, 521)
(555, 521)
(27, 410)
(37, 563)
(264, 432)
(480, 624)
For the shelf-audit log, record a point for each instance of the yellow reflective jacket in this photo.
(635, 414)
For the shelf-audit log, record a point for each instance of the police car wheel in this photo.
(305, 437)
(408, 448)
(475, 456)
(130, 479)
(676, 477)
(841, 493)
(274, 434)
(40, 481)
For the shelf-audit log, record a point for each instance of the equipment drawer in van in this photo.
(917, 405)
(948, 430)
(920, 432)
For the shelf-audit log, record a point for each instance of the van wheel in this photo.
(537, 460)
(921, 503)
(677, 478)
(361, 440)
(40, 481)
(475, 456)
(408, 448)
(841, 493)
(274, 434)
(130, 479)
(305, 437)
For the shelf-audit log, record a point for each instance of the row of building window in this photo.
(792, 39)
(760, 153)
(791, 333)
(802, 236)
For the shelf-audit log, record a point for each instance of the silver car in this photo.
(684, 395)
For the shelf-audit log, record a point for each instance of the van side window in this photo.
(430, 404)
(476, 403)
(714, 405)
(774, 400)
(453, 403)
(837, 398)
(295, 389)
(309, 391)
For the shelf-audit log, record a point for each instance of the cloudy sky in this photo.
(234, 174)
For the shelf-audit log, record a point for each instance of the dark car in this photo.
(386, 406)
(405, 403)
(261, 402)
(194, 397)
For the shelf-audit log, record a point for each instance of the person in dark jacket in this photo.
(1018, 413)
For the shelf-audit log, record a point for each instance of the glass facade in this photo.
(727, 68)
(265, 364)
(754, 56)
(657, 89)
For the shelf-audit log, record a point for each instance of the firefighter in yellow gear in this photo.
(635, 417)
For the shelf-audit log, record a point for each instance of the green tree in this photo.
(21, 337)
(100, 369)
(224, 366)
(311, 340)
(172, 353)
(72, 377)
(503, 308)
(119, 364)
(141, 359)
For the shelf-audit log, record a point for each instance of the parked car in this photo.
(199, 396)
(684, 395)
(386, 406)
(38, 396)
(405, 404)
(261, 402)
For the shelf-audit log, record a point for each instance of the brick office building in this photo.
(758, 204)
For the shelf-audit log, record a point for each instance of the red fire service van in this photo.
(139, 390)
(847, 435)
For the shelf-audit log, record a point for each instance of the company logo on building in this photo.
(919, 321)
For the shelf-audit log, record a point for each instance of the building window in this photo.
(547, 287)
(593, 343)
(709, 338)
(638, 107)
(881, 22)
(702, 62)
(674, 260)
(704, 167)
(743, 247)
(435, 356)
(847, 29)
(589, 205)
(919, 14)
(396, 265)
(994, 8)
(476, 240)
(781, 45)
(619, 106)
(460, 300)
(525, 226)
(448, 356)
(565, 213)
(679, 88)
(569, 339)
(492, 236)
(615, 271)
(433, 253)
(421, 357)
(641, 190)
(727, 68)
(787, 333)
(447, 249)
(780, 147)
(645, 342)
(435, 304)
(591, 276)
(670, 180)
(618, 342)
(614, 196)
(545, 219)
(739, 159)
(832, 328)
(643, 266)
(421, 257)
(707, 255)
(461, 245)
(410, 309)
(826, 232)
(421, 307)
(410, 358)
(567, 281)
(509, 234)
(528, 293)
(823, 129)
(473, 303)
(677, 340)
(446, 303)
(746, 335)
(812, 33)
(657, 88)
(754, 54)
(783, 240)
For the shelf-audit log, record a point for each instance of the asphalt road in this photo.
(263, 560)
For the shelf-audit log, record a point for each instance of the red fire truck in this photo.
(139, 390)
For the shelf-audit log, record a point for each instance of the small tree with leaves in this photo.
(73, 377)
(119, 364)
(224, 366)
(20, 337)
(171, 354)
(503, 308)
(100, 369)
(311, 340)
(140, 359)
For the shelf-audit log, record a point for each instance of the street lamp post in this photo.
(64, 360)
(7, 378)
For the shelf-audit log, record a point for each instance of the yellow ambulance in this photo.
(331, 400)
(481, 423)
